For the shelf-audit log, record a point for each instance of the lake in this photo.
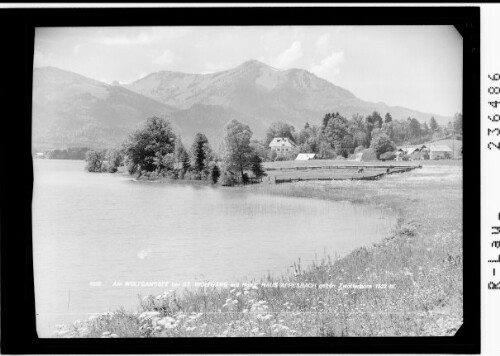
(93, 231)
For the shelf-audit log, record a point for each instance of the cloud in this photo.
(328, 67)
(288, 56)
(76, 48)
(166, 57)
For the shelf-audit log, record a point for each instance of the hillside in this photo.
(72, 110)
(295, 95)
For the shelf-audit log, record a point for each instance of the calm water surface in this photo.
(107, 228)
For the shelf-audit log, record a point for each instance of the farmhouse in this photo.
(305, 156)
(439, 151)
(413, 153)
(282, 145)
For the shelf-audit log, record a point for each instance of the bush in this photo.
(228, 179)
(112, 169)
(244, 178)
(388, 156)
(359, 149)
(215, 174)
(95, 161)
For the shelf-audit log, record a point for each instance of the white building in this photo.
(305, 156)
(282, 145)
(440, 151)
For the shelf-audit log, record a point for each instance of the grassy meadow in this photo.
(415, 274)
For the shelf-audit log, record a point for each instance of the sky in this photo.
(418, 67)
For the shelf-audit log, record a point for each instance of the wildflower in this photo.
(167, 322)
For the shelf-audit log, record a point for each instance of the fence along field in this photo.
(289, 173)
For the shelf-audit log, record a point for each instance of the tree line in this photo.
(156, 151)
(338, 136)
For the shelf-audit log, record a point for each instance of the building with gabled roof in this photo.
(282, 145)
(440, 151)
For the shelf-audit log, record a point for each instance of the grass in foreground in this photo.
(422, 258)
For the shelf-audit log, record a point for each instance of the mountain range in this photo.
(72, 110)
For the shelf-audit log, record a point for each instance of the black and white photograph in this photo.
(248, 181)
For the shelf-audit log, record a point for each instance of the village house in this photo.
(416, 153)
(282, 145)
(440, 152)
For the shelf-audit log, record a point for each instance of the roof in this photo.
(305, 156)
(410, 150)
(281, 142)
(440, 148)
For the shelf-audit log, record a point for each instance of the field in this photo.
(339, 169)
(415, 275)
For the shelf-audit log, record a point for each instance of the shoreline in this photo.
(420, 259)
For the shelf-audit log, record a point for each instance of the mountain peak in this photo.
(252, 62)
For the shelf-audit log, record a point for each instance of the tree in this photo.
(425, 129)
(146, 145)
(457, 123)
(260, 148)
(400, 131)
(433, 124)
(388, 129)
(381, 143)
(326, 118)
(358, 131)
(179, 149)
(164, 162)
(415, 128)
(199, 152)
(337, 135)
(237, 152)
(115, 160)
(185, 161)
(94, 160)
(256, 167)
(215, 174)
(279, 129)
(374, 121)
(388, 118)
